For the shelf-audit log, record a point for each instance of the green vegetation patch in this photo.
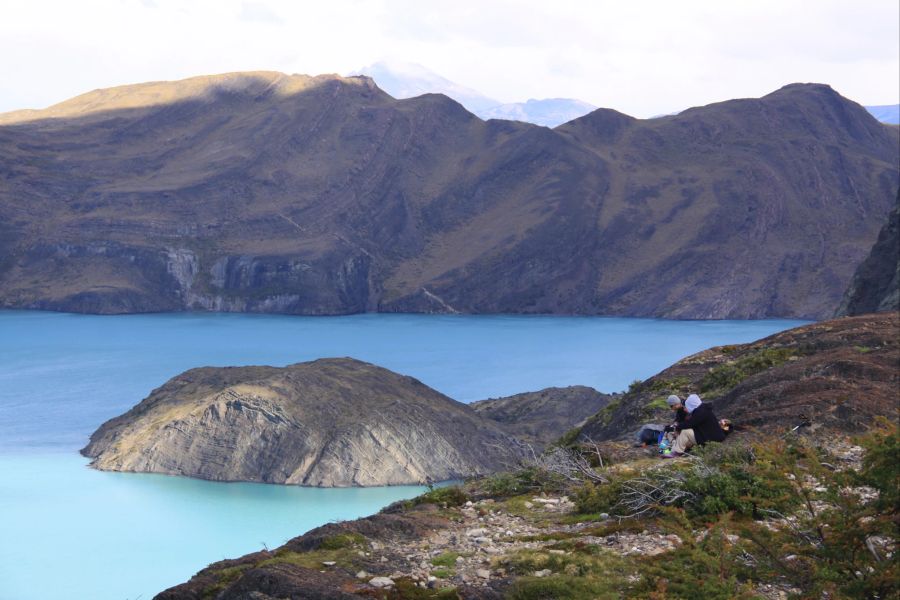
(343, 540)
(444, 573)
(451, 495)
(225, 577)
(656, 404)
(730, 374)
(406, 589)
(446, 559)
(588, 572)
(343, 557)
(606, 413)
(568, 438)
(528, 480)
(674, 385)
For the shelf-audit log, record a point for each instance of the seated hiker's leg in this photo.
(685, 441)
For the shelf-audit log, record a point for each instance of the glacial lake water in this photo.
(67, 531)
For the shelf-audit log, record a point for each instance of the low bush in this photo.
(522, 481)
(584, 573)
(451, 495)
(725, 377)
(343, 540)
(709, 568)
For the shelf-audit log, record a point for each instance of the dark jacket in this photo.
(681, 416)
(705, 425)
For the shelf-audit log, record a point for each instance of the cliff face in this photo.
(264, 192)
(839, 375)
(541, 418)
(876, 284)
(331, 422)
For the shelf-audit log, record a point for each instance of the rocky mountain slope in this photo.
(837, 374)
(527, 535)
(331, 422)
(323, 195)
(876, 285)
(541, 418)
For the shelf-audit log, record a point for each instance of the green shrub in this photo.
(522, 481)
(729, 375)
(830, 542)
(584, 572)
(593, 498)
(568, 438)
(606, 413)
(451, 495)
(656, 404)
(342, 540)
(445, 559)
(674, 385)
(749, 481)
(708, 569)
(560, 587)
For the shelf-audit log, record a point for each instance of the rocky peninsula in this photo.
(541, 418)
(330, 422)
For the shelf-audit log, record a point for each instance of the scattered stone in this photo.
(483, 573)
(543, 573)
(362, 575)
(381, 582)
(328, 563)
(529, 505)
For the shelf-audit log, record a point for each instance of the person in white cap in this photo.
(701, 426)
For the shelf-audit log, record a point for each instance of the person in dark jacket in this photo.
(700, 427)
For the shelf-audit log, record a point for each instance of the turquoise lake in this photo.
(67, 531)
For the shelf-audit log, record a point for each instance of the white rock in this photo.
(543, 573)
(483, 573)
(529, 505)
(362, 575)
(381, 582)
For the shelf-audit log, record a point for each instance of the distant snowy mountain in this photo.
(550, 112)
(407, 80)
(886, 113)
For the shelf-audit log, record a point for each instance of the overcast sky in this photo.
(643, 58)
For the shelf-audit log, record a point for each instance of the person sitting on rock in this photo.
(700, 427)
(677, 407)
(681, 416)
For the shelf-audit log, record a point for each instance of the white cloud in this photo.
(643, 58)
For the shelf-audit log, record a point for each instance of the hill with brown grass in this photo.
(265, 192)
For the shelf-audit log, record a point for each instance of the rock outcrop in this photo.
(541, 418)
(838, 375)
(265, 192)
(876, 284)
(330, 422)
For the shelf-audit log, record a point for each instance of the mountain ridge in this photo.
(338, 198)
